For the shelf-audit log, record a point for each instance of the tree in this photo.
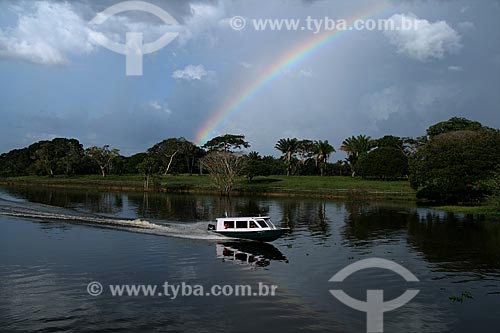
(339, 168)
(272, 165)
(383, 162)
(454, 124)
(223, 167)
(355, 146)
(191, 153)
(45, 159)
(130, 164)
(289, 148)
(254, 166)
(165, 151)
(68, 155)
(322, 151)
(450, 167)
(59, 156)
(227, 142)
(103, 156)
(147, 168)
(389, 141)
(492, 187)
(17, 162)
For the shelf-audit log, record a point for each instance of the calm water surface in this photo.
(47, 261)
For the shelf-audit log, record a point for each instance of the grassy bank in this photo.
(305, 186)
(485, 210)
(294, 186)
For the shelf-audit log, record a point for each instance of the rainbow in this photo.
(288, 59)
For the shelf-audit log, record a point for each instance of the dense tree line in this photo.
(456, 161)
(59, 156)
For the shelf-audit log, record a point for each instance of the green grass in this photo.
(327, 186)
(485, 210)
(313, 186)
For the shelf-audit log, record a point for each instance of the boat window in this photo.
(252, 224)
(241, 224)
(228, 224)
(262, 224)
(270, 223)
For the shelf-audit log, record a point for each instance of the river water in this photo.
(54, 243)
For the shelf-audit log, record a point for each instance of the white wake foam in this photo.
(196, 230)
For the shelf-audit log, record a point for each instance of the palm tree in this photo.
(354, 147)
(288, 147)
(322, 150)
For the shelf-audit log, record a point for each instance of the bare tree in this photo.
(223, 167)
(103, 156)
(147, 167)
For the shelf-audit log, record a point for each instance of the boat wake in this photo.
(42, 212)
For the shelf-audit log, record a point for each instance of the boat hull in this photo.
(263, 235)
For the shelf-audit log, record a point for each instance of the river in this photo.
(54, 243)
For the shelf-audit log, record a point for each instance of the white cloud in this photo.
(426, 40)
(298, 73)
(116, 27)
(204, 17)
(155, 105)
(455, 68)
(49, 32)
(306, 72)
(161, 107)
(190, 73)
(46, 35)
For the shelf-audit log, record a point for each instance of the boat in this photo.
(259, 228)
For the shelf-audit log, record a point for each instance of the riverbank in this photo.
(484, 210)
(337, 187)
(293, 186)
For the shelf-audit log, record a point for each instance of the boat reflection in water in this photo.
(254, 254)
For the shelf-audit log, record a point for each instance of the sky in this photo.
(56, 80)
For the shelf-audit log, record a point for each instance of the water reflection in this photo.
(194, 208)
(89, 200)
(366, 223)
(456, 242)
(253, 254)
(466, 243)
(310, 215)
